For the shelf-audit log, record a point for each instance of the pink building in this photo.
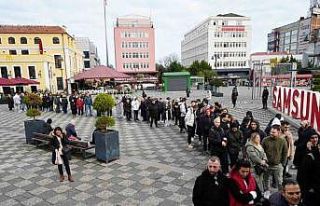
(135, 45)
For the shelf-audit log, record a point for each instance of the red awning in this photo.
(22, 81)
(5, 82)
(100, 72)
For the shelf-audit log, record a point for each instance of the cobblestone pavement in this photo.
(155, 167)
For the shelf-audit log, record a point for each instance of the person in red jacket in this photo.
(79, 105)
(243, 189)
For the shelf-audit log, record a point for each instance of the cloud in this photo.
(172, 18)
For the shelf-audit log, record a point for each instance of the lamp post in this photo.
(105, 30)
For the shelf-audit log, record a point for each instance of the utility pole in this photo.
(105, 30)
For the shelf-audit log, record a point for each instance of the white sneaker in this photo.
(190, 146)
(192, 139)
(266, 194)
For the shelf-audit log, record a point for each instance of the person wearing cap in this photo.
(310, 170)
(235, 141)
(218, 144)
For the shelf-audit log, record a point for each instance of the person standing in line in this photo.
(210, 187)
(190, 120)
(256, 155)
(276, 150)
(183, 112)
(17, 102)
(234, 96)
(235, 143)
(135, 105)
(88, 104)
(79, 105)
(10, 102)
(218, 144)
(59, 153)
(289, 195)
(243, 189)
(265, 95)
(287, 135)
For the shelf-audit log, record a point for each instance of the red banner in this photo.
(298, 103)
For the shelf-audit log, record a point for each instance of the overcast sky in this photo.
(172, 18)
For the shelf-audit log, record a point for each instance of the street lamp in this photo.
(105, 30)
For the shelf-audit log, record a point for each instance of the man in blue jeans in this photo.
(88, 104)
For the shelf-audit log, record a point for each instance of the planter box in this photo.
(217, 94)
(107, 145)
(31, 126)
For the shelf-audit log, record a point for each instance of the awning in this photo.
(5, 82)
(100, 72)
(22, 81)
(16, 81)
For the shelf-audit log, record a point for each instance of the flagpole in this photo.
(105, 30)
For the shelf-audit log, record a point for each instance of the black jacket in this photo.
(216, 136)
(208, 191)
(55, 145)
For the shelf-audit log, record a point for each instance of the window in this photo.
(86, 54)
(4, 72)
(58, 61)
(86, 64)
(24, 52)
(11, 40)
(59, 83)
(37, 40)
(13, 52)
(32, 72)
(17, 72)
(55, 40)
(23, 40)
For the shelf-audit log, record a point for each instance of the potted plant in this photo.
(106, 140)
(33, 101)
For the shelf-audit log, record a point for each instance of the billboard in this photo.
(298, 103)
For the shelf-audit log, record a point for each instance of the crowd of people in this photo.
(247, 164)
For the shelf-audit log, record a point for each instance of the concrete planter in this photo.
(31, 126)
(107, 145)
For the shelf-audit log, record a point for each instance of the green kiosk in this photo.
(176, 81)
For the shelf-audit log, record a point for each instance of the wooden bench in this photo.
(74, 145)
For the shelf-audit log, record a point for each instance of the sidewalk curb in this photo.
(289, 119)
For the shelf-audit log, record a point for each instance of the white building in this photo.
(90, 52)
(224, 41)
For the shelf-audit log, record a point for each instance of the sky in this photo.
(172, 18)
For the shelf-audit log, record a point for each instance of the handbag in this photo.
(66, 150)
(259, 169)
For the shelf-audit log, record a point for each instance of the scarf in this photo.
(243, 185)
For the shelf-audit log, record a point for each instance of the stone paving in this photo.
(155, 167)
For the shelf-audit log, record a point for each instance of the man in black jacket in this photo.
(210, 187)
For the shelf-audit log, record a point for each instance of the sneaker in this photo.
(266, 194)
(192, 139)
(190, 146)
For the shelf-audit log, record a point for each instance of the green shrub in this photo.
(34, 101)
(216, 82)
(103, 103)
(103, 122)
(33, 113)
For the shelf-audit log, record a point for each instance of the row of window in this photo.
(230, 64)
(229, 54)
(17, 72)
(230, 44)
(24, 40)
(134, 34)
(135, 66)
(134, 45)
(231, 34)
(129, 55)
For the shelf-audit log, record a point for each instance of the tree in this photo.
(207, 74)
(194, 68)
(168, 60)
(205, 65)
(176, 67)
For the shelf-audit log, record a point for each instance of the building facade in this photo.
(134, 39)
(224, 41)
(295, 37)
(90, 52)
(47, 54)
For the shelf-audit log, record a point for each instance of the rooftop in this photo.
(31, 29)
(230, 15)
